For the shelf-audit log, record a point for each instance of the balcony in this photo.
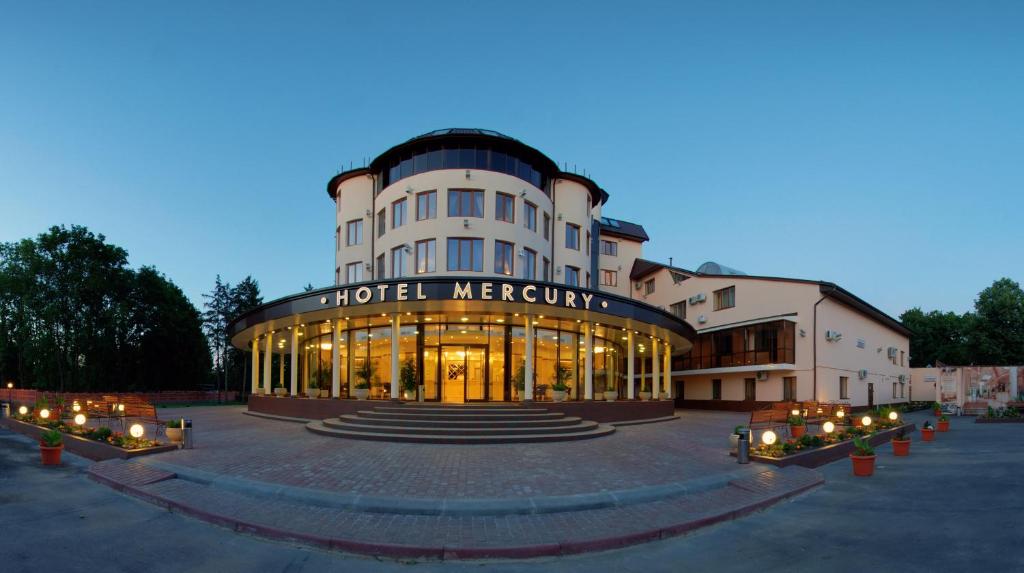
(765, 346)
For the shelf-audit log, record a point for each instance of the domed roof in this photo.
(462, 131)
(713, 268)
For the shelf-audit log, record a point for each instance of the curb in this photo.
(450, 553)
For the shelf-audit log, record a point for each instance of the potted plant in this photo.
(173, 430)
(937, 408)
(611, 395)
(927, 432)
(560, 386)
(796, 426)
(364, 373)
(519, 379)
(943, 425)
(901, 444)
(325, 384)
(280, 390)
(313, 388)
(645, 395)
(863, 457)
(51, 444)
(734, 439)
(407, 377)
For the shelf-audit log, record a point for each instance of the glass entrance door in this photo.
(463, 373)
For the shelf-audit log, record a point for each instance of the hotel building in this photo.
(470, 268)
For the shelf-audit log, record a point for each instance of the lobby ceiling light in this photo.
(499, 320)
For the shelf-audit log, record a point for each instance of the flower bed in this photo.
(811, 451)
(92, 443)
(1008, 415)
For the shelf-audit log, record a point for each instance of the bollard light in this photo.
(893, 416)
(829, 427)
(80, 419)
(840, 413)
(44, 413)
(865, 421)
(23, 410)
(120, 407)
(136, 430)
(768, 438)
(795, 412)
(76, 407)
(10, 385)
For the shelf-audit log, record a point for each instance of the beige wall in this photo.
(758, 299)
(354, 200)
(924, 383)
(628, 252)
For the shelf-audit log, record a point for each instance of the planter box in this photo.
(828, 454)
(84, 447)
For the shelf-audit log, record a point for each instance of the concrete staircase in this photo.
(459, 424)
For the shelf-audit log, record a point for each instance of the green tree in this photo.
(936, 337)
(997, 325)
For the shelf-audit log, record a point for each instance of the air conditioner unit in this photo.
(368, 266)
(903, 378)
(369, 213)
(762, 375)
(891, 352)
(522, 252)
(862, 374)
(702, 319)
(637, 285)
(833, 335)
(699, 297)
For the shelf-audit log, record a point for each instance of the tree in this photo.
(997, 324)
(936, 337)
(215, 319)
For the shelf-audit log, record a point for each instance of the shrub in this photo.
(943, 418)
(927, 425)
(796, 421)
(174, 423)
(862, 448)
(51, 438)
(102, 433)
(737, 429)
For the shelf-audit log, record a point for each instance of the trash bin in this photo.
(186, 433)
(6, 412)
(743, 448)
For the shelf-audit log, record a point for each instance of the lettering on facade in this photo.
(468, 290)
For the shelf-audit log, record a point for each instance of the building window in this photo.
(382, 220)
(902, 388)
(547, 227)
(844, 392)
(426, 256)
(572, 236)
(337, 238)
(529, 264)
(609, 278)
(765, 343)
(399, 210)
(894, 394)
(505, 207)
(397, 262)
(353, 272)
(901, 358)
(572, 276)
(530, 216)
(426, 205)
(588, 244)
(749, 389)
(337, 275)
(716, 388)
(431, 157)
(587, 284)
(379, 267)
(465, 203)
(354, 232)
(678, 309)
(725, 298)
(789, 388)
(547, 269)
(610, 248)
(466, 255)
(503, 257)
(648, 287)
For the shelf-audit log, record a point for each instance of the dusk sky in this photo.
(877, 145)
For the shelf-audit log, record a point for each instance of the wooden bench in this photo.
(767, 420)
(142, 411)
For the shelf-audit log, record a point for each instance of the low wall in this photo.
(597, 411)
(91, 449)
(28, 397)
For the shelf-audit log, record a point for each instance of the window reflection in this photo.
(485, 157)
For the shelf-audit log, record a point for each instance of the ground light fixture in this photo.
(44, 413)
(893, 416)
(23, 410)
(120, 407)
(795, 412)
(829, 427)
(865, 421)
(768, 438)
(76, 407)
(840, 414)
(136, 430)
(80, 419)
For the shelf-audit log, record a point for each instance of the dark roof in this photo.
(713, 268)
(462, 131)
(642, 268)
(624, 229)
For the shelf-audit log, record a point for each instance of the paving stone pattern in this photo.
(228, 442)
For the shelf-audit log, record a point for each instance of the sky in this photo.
(878, 145)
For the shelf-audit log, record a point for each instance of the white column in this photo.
(528, 366)
(655, 371)
(630, 368)
(588, 361)
(336, 361)
(268, 357)
(668, 370)
(295, 362)
(280, 369)
(1013, 382)
(255, 364)
(396, 328)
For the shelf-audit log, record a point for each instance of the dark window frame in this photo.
(504, 207)
(720, 298)
(472, 241)
(431, 205)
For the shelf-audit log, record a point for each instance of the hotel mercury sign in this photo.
(468, 290)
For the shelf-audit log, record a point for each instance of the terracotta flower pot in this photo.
(797, 431)
(942, 426)
(900, 447)
(937, 412)
(51, 456)
(863, 466)
(928, 434)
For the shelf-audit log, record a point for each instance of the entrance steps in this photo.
(440, 424)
